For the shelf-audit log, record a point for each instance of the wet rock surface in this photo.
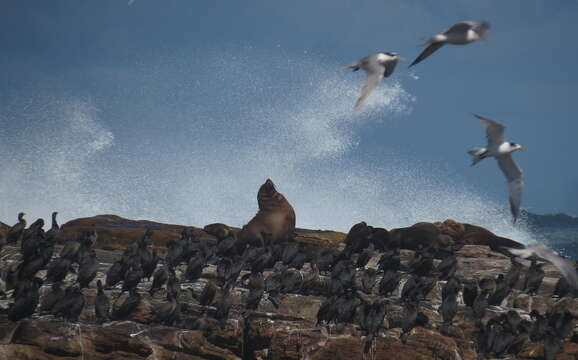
(289, 331)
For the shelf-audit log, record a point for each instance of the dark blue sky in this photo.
(158, 84)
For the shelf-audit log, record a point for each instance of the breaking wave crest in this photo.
(219, 127)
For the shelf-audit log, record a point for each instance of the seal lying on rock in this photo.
(275, 221)
(450, 233)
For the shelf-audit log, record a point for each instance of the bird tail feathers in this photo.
(355, 66)
(477, 154)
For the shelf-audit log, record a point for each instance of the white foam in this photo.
(289, 119)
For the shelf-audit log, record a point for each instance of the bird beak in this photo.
(399, 58)
(521, 148)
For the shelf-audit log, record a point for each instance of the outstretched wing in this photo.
(373, 73)
(515, 182)
(494, 131)
(427, 52)
(460, 27)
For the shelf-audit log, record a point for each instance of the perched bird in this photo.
(71, 304)
(513, 275)
(52, 297)
(461, 33)
(372, 317)
(502, 291)
(127, 307)
(223, 305)
(447, 267)
(54, 228)
(256, 287)
(173, 284)
(149, 263)
(208, 294)
(367, 279)
(410, 312)
(16, 232)
(449, 307)
(167, 313)
(87, 270)
(567, 268)
(451, 288)
(470, 292)
(534, 278)
(390, 260)
(376, 67)
(480, 304)
(563, 288)
(502, 150)
(58, 269)
(132, 277)
(159, 279)
(101, 304)
(26, 302)
(389, 282)
(116, 272)
(365, 256)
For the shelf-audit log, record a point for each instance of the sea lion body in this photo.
(275, 221)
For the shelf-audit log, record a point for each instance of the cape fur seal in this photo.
(275, 221)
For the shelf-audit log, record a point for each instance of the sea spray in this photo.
(188, 139)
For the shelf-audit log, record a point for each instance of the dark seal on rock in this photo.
(424, 234)
(477, 235)
(218, 230)
(275, 221)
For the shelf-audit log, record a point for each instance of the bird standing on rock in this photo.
(26, 301)
(101, 304)
(534, 278)
(16, 232)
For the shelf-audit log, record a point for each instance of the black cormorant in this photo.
(101, 304)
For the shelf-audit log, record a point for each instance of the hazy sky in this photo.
(167, 97)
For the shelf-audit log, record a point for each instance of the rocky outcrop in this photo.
(287, 332)
(3, 230)
(116, 233)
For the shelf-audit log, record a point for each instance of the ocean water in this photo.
(563, 239)
(164, 141)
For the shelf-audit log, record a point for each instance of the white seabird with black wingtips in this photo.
(461, 33)
(502, 150)
(375, 66)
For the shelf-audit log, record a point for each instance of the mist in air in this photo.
(187, 139)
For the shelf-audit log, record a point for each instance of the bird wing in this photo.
(460, 27)
(389, 67)
(515, 182)
(494, 131)
(427, 52)
(373, 73)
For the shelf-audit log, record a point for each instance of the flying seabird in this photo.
(461, 33)
(501, 150)
(375, 66)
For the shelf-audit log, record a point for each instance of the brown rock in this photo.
(320, 238)
(3, 229)
(115, 232)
